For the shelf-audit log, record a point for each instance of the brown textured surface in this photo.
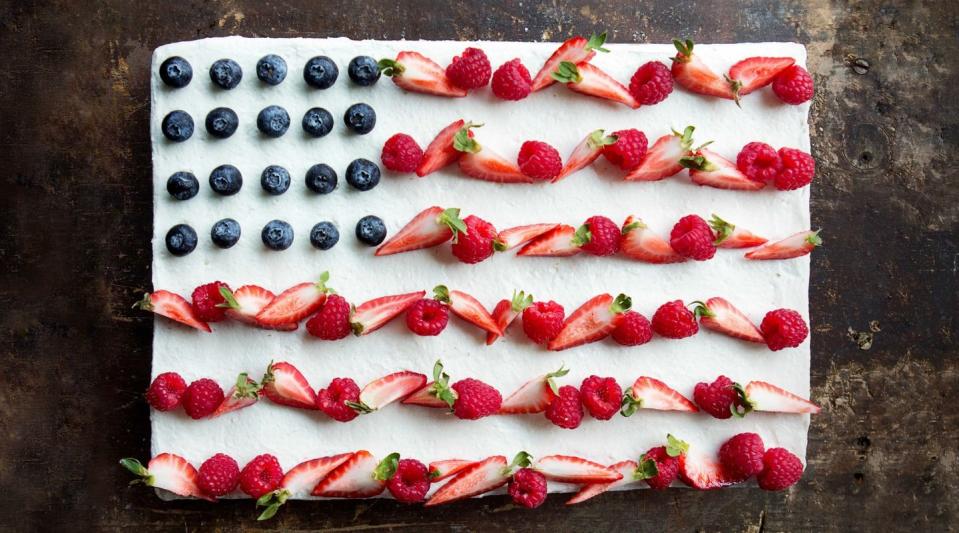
(75, 224)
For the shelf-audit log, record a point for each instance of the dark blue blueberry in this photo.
(371, 230)
(321, 179)
(324, 235)
(180, 240)
(177, 126)
(222, 122)
(226, 180)
(226, 73)
(320, 72)
(182, 185)
(277, 235)
(363, 174)
(275, 180)
(176, 72)
(225, 233)
(317, 122)
(363, 70)
(360, 118)
(273, 121)
(271, 69)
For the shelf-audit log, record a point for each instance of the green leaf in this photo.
(137, 468)
(558, 374)
(686, 137)
(621, 304)
(748, 405)
(697, 162)
(440, 387)
(636, 224)
(360, 407)
(272, 501)
(451, 218)
(321, 284)
(435, 474)
(520, 301)
(441, 293)
(675, 447)
(230, 302)
(390, 67)
(702, 310)
(647, 469)
(567, 73)
(598, 139)
(144, 304)
(521, 460)
(463, 142)
(630, 405)
(815, 239)
(684, 47)
(582, 236)
(722, 228)
(387, 467)
(596, 42)
(246, 387)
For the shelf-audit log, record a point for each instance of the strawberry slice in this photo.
(557, 242)
(702, 472)
(592, 81)
(534, 396)
(594, 320)
(721, 316)
(577, 50)
(417, 73)
(441, 151)
(374, 314)
(690, 72)
(172, 306)
(762, 396)
(585, 153)
(796, 245)
(651, 393)
(640, 243)
(625, 468)
(506, 312)
(468, 308)
(731, 236)
(381, 392)
(426, 397)
(354, 478)
(244, 393)
(431, 227)
(169, 472)
(299, 481)
(246, 302)
(662, 160)
(284, 384)
(569, 469)
(440, 470)
(711, 169)
(755, 73)
(513, 237)
(295, 304)
(472, 480)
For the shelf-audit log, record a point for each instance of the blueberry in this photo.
(370, 230)
(324, 235)
(360, 118)
(363, 70)
(177, 126)
(176, 72)
(275, 180)
(277, 235)
(222, 122)
(271, 69)
(273, 121)
(180, 240)
(321, 179)
(226, 73)
(182, 185)
(226, 180)
(363, 174)
(225, 233)
(317, 122)
(320, 72)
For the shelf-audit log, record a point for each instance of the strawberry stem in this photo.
(630, 404)
(521, 460)
(272, 501)
(144, 304)
(596, 42)
(598, 139)
(441, 293)
(558, 374)
(137, 468)
(567, 73)
(387, 467)
(229, 301)
(675, 447)
(621, 304)
(463, 142)
(702, 310)
(520, 301)
(748, 405)
(451, 218)
(390, 67)
(647, 469)
(582, 236)
(722, 228)
(440, 387)
(815, 239)
(685, 49)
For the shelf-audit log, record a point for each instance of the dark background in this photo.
(76, 218)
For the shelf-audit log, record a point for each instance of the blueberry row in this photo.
(226, 180)
(320, 72)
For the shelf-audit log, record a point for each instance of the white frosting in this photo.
(554, 115)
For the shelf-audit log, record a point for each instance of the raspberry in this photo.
(759, 162)
(718, 397)
(261, 475)
(633, 330)
(332, 321)
(651, 83)
(542, 321)
(206, 298)
(511, 81)
(629, 149)
(666, 468)
(742, 455)
(539, 161)
(601, 396)
(477, 243)
(566, 409)
(783, 328)
(797, 171)
(332, 400)
(692, 237)
(781, 469)
(411, 481)
(793, 85)
(673, 321)
(427, 317)
(201, 398)
(475, 399)
(470, 70)
(401, 153)
(166, 391)
(527, 487)
(218, 475)
(598, 236)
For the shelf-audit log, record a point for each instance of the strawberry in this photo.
(651, 393)
(354, 478)
(719, 315)
(245, 393)
(468, 308)
(690, 72)
(592, 81)
(285, 385)
(246, 302)
(594, 320)
(172, 306)
(711, 169)
(587, 151)
(762, 396)
(569, 469)
(640, 243)
(577, 51)
(168, 472)
(431, 227)
(513, 237)
(484, 164)
(534, 396)
(415, 72)
(425, 396)
(731, 236)
(475, 479)
(299, 481)
(441, 151)
(374, 314)
(557, 242)
(625, 468)
(506, 312)
(702, 472)
(295, 303)
(662, 160)
(440, 470)
(796, 245)
(381, 392)
(755, 73)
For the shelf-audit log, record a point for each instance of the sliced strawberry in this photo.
(381, 392)
(557, 242)
(763, 396)
(475, 479)
(169, 472)
(354, 478)
(640, 243)
(732, 236)
(625, 468)
(711, 169)
(534, 396)
(513, 237)
(431, 227)
(440, 470)
(662, 160)
(245, 393)
(592, 81)
(299, 482)
(755, 73)
(415, 72)
(506, 312)
(426, 397)
(468, 308)
(295, 303)
(441, 151)
(284, 384)
(374, 314)
(577, 50)
(651, 393)
(702, 472)
(172, 306)
(796, 245)
(486, 165)
(594, 320)
(246, 302)
(569, 469)
(719, 315)
(585, 153)
(690, 72)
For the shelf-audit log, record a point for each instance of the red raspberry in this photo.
(692, 237)
(629, 149)
(633, 330)
(667, 468)
(601, 396)
(566, 409)
(427, 317)
(527, 487)
(218, 475)
(511, 81)
(542, 321)
(411, 481)
(718, 397)
(651, 83)
(475, 399)
(471, 70)
(539, 161)
(598, 236)
(401, 153)
(797, 171)
(206, 298)
(477, 243)
(166, 391)
(673, 321)
(261, 475)
(742, 455)
(783, 328)
(781, 469)
(759, 162)
(332, 400)
(793, 85)
(201, 398)
(332, 321)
